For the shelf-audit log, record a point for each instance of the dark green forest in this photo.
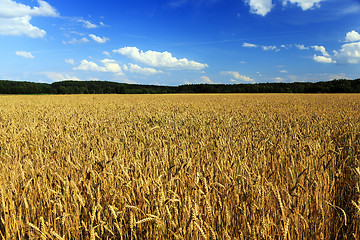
(105, 87)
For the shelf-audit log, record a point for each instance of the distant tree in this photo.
(100, 87)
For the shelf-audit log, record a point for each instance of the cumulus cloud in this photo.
(110, 65)
(76, 41)
(86, 65)
(326, 58)
(15, 18)
(352, 36)
(323, 59)
(349, 53)
(159, 59)
(304, 4)
(260, 7)
(322, 50)
(263, 7)
(206, 79)
(301, 47)
(134, 68)
(20, 26)
(249, 45)
(98, 39)
(12, 9)
(54, 76)
(237, 77)
(24, 54)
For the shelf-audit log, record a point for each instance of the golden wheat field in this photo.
(262, 166)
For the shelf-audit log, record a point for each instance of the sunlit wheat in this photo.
(266, 166)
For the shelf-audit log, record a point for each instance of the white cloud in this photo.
(263, 7)
(322, 50)
(301, 46)
(20, 26)
(323, 59)
(283, 71)
(286, 46)
(134, 68)
(206, 79)
(278, 79)
(54, 76)
(12, 9)
(87, 24)
(268, 48)
(304, 4)
(249, 45)
(352, 36)
(24, 54)
(238, 77)
(98, 39)
(326, 58)
(106, 53)
(159, 59)
(109, 66)
(70, 61)
(349, 53)
(201, 80)
(260, 7)
(15, 18)
(76, 41)
(85, 65)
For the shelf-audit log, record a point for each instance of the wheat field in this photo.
(261, 166)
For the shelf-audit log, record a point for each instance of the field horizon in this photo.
(107, 87)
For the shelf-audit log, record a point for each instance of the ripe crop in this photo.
(262, 166)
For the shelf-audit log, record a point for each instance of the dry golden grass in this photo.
(180, 167)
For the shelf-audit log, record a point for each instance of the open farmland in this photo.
(266, 166)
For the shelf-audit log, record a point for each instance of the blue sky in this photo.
(177, 42)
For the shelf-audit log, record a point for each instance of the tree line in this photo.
(105, 87)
